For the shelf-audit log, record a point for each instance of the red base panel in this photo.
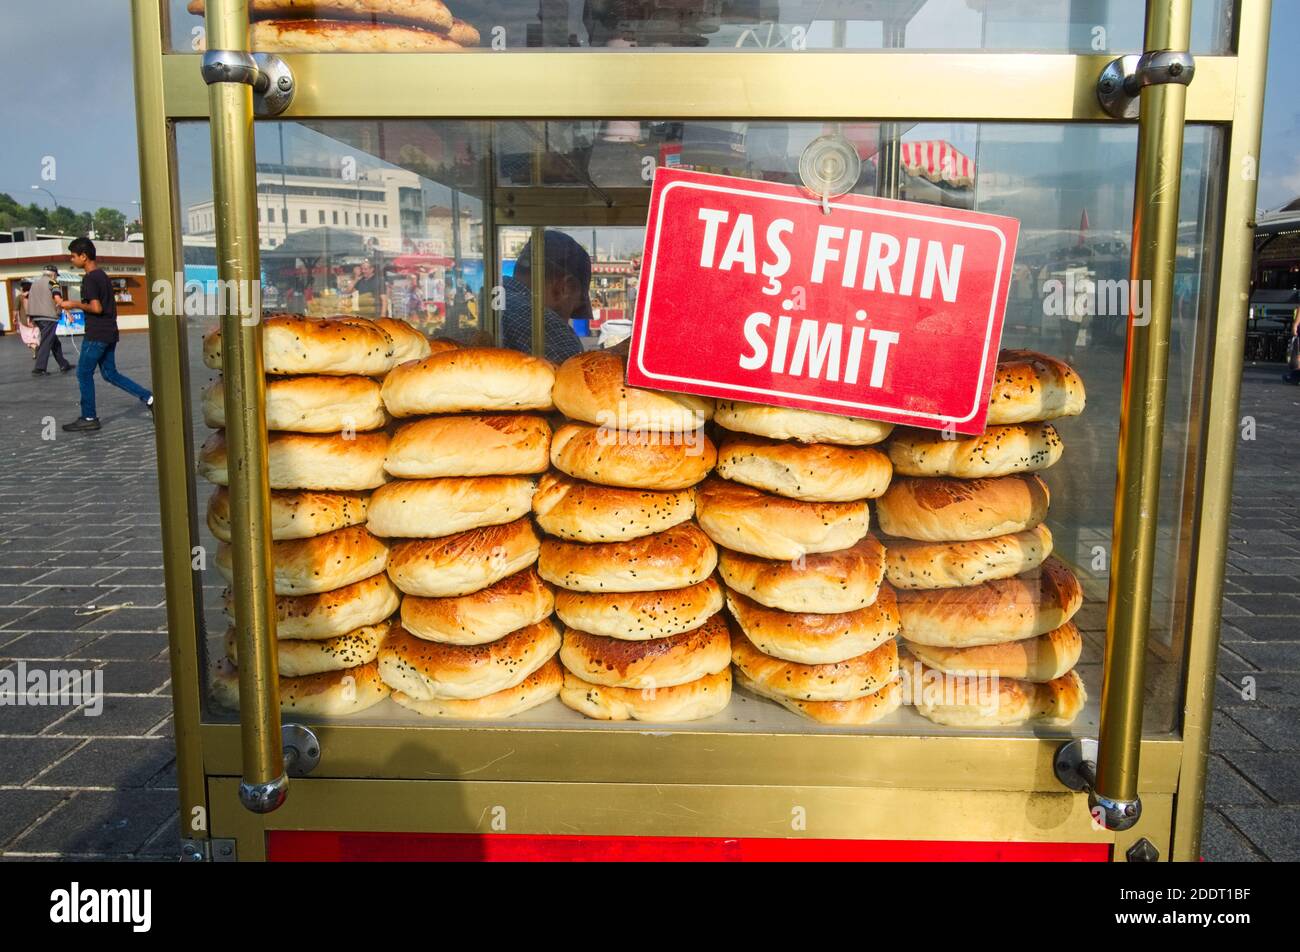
(326, 846)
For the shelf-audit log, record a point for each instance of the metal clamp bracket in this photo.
(1120, 85)
(269, 75)
(215, 850)
(1075, 766)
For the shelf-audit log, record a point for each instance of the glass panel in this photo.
(1070, 186)
(1083, 26)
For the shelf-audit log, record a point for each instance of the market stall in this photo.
(430, 596)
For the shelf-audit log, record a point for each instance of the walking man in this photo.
(101, 337)
(43, 311)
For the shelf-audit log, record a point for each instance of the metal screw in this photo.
(225, 849)
(1175, 69)
(284, 83)
(1107, 86)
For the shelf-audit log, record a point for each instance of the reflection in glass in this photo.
(375, 219)
(423, 220)
(1084, 26)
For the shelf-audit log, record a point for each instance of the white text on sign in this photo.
(873, 261)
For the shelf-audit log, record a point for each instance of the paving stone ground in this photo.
(81, 589)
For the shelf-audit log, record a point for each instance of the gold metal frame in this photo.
(662, 84)
(927, 787)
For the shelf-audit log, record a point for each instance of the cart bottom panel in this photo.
(484, 820)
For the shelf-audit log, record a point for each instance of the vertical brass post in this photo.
(538, 272)
(169, 369)
(488, 316)
(1221, 419)
(239, 268)
(1141, 425)
(538, 246)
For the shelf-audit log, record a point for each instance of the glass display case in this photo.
(407, 186)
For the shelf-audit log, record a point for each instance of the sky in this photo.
(70, 98)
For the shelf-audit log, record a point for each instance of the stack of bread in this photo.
(353, 26)
(980, 595)
(813, 625)
(644, 634)
(326, 447)
(476, 638)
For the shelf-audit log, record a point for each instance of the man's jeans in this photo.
(98, 353)
(50, 343)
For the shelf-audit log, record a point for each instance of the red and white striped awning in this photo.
(938, 161)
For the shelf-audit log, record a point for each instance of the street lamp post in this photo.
(41, 188)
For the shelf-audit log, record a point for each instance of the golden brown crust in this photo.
(319, 564)
(309, 404)
(431, 508)
(637, 616)
(1042, 658)
(408, 343)
(984, 700)
(338, 36)
(515, 602)
(431, 14)
(841, 681)
(961, 510)
(1000, 451)
(806, 426)
(294, 515)
(336, 612)
(592, 387)
(463, 563)
(745, 519)
(857, 712)
(830, 582)
(329, 694)
(655, 663)
(674, 558)
(505, 444)
(816, 472)
(325, 461)
(469, 379)
(992, 612)
(463, 34)
(427, 670)
(1029, 386)
(586, 512)
(633, 460)
(692, 701)
(293, 344)
(911, 564)
(811, 638)
(298, 658)
(538, 688)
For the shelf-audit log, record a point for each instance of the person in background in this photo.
(27, 331)
(568, 283)
(43, 302)
(101, 337)
(1292, 374)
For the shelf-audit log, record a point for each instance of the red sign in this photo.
(881, 309)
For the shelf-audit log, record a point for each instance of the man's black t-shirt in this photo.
(95, 286)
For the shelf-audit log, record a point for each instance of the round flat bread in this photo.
(338, 36)
(430, 14)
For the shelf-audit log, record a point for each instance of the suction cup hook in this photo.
(829, 167)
